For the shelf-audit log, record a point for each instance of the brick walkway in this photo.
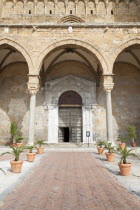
(70, 180)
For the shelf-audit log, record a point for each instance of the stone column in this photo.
(86, 6)
(107, 7)
(117, 6)
(15, 1)
(45, 6)
(25, 7)
(96, 5)
(3, 8)
(66, 7)
(33, 89)
(108, 86)
(55, 6)
(35, 7)
(76, 6)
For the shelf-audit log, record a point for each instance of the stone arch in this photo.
(70, 98)
(73, 88)
(81, 43)
(18, 47)
(123, 47)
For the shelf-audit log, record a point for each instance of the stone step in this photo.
(70, 145)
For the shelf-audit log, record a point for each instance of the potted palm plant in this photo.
(13, 132)
(31, 155)
(124, 166)
(122, 141)
(18, 140)
(17, 163)
(40, 148)
(100, 146)
(132, 133)
(110, 155)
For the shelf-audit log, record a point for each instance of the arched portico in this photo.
(94, 50)
(124, 46)
(19, 48)
(126, 70)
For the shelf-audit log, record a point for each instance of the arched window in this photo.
(70, 98)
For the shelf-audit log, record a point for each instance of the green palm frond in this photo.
(2, 171)
(122, 139)
(30, 147)
(16, 151)
(125, 153)
(40, 142)
(100, 143)
(109, 147)
(4, 153)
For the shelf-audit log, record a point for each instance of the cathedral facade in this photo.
(69, 70)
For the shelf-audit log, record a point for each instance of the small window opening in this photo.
(112, 12)
(50, 12)
(70, 12)
(91, 12)
(30, 12)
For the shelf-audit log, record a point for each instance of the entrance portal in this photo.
(70, 117)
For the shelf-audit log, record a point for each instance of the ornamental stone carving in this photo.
(108, 82)
(33, 84)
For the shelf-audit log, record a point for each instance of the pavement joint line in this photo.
(22, 178)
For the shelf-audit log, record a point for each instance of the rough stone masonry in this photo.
(48, 48)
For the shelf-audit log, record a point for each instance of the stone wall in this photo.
(14, 100)
(126, 97)
(14, 103)
(70, 67)
(99, 9)
(125, 102)
(90, 11)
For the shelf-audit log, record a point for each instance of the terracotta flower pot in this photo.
(14, 144)
(16, 166)
(100, 150)
(125, 169)
(110, 157)
(133, 144)
(31, 156)
(19, 144)
(122, 145)
(40, 150)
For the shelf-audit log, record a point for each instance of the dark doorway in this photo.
(66, 134)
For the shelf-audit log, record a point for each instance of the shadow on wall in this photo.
(126, 97)
(100, 117)
(14, 100)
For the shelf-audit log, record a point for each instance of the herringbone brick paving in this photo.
(70, 180)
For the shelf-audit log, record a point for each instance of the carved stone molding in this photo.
(33, 84)
(108, 87)
(33, 88)
(108, 82)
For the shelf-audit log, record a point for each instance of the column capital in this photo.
(33, 88)
(108, 82)
(33, 84)
(108, 87)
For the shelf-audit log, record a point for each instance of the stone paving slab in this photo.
(70, 180)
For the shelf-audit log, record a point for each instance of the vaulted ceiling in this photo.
(69, 54)
(9, 55)
(130, 55)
